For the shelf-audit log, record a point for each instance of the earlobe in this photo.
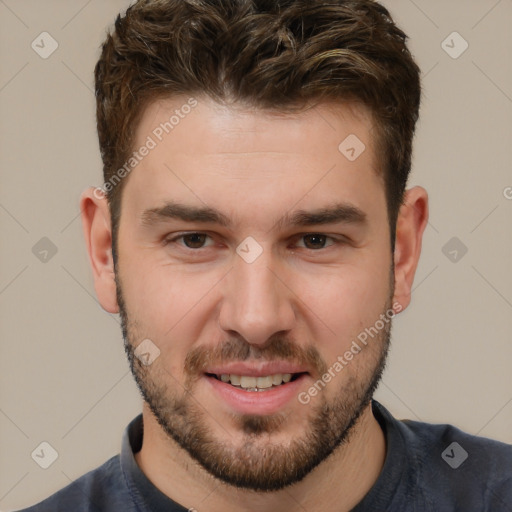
(98, 239)
(411, 223)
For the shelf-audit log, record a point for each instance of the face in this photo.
(252, 253)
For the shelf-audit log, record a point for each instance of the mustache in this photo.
(277, 348)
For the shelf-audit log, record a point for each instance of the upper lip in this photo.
(256, 369)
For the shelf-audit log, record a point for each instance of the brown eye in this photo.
(194, 240)
(315, 241)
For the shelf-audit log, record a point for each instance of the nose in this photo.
(257, 302)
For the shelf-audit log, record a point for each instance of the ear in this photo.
(98, 239)
(411, 222)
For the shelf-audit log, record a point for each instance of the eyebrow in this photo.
(333, 214)
(187, 213)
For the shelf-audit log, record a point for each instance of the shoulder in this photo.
(459, 467)
(458, 448)
(103, 489)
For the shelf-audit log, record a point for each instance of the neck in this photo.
(338, 483)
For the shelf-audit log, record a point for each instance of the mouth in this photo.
(251, 383)
(264, 390)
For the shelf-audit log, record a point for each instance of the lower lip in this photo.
(257, 402)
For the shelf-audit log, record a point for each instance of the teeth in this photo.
(247, 382)
(264, 382)
(254, 383)
(277, 379)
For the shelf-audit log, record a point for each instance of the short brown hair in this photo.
(269, 54)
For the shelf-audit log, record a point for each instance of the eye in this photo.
(190, 240)
(317, 241)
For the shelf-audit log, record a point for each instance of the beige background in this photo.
(64, 378)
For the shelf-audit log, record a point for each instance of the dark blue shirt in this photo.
(434, 468)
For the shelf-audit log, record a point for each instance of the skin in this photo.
(256, 167)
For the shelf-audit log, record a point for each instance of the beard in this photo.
(257, 463)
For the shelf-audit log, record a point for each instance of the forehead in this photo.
(222, 128)
(205, 152)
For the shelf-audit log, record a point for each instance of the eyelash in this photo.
(175, 238)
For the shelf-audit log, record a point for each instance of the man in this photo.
(256, 236)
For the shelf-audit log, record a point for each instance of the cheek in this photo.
(345, 301)
(167, 305)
